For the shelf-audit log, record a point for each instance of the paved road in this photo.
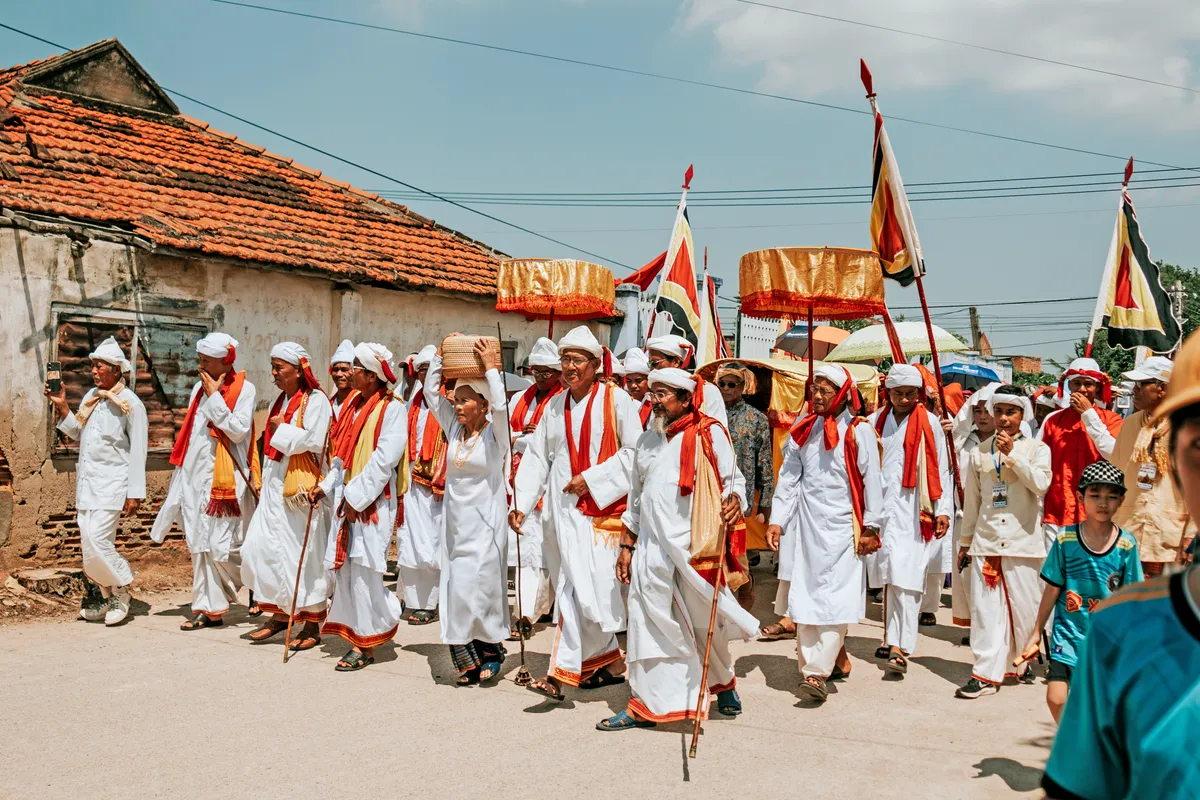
(146, 710)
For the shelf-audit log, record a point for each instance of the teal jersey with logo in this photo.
(1132, 717)
(1085, 578)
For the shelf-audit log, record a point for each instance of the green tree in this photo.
(1033, 379)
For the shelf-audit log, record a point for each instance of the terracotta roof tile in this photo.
(182, 184)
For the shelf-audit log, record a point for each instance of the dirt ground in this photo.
(146, 710)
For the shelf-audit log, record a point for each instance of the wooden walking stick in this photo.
(702, 699)
(287, 637)
(523, 678)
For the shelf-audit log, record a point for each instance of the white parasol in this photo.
(871, 343)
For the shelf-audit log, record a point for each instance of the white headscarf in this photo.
(1018, 400)
(903, 375)
(111, 353)
(673, 377)
(833, 373)
(636, 362)
(376, 358)
(545, 354)
(344, 353)
(479, 385)
(218, 345)
(672, 345)
(291, 352)
(579, 338)
(424, 356)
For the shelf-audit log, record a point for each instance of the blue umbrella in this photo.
(971, 371)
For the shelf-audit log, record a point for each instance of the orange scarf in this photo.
(292, 407)
(644, 412)
(804, 428)
(919, 434)
(222, 497)
(356, 412)
(527, 399)
(429, 464)
(858, 491)
(581, 454)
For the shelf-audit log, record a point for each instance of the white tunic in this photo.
(473, 594)
(585, 560)
(112, 453)
(369, 541)
(276, 532)
(662, 579)
(419, 543)
(905, 557)
(534, 527)
(812, 503)
(191, 484)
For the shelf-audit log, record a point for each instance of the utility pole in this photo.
(1178, 301)
(976, 333)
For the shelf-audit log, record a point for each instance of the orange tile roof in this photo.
(184, 185)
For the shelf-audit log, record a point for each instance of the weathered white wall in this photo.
(258, 308)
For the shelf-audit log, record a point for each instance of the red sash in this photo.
(292, 407)
(919, 434)
(230, 388)
(429, 464)
(644, 412)
(581, 454)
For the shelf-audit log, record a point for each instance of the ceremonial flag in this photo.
(644, 277)
(1132, 304)
(677, 307)
(711, 346)
(893, 232)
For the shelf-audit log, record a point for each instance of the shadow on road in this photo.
(956, 673)
(1019, 777)
(779, 671)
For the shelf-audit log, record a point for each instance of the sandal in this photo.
(622, 721)
(492, 668)
(468, 678)
(354, 661)
(814, 688)
(728, 703)
(546, 689)
(776, 632)
(600, 678)
(927, 619)
(838, 674)
(897, 664)
(422, 617)
(305, 642)
(522, 630)
(252, 609)
(267, 630)
(201, 621)
(883, 651)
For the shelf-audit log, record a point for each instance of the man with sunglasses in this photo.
(1153, 510)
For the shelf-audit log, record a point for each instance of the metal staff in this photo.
(712, 624)
(287, 637)
(524, 678)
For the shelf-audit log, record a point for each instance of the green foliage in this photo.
(851, 325)
(1033, 379)
(1113, 360)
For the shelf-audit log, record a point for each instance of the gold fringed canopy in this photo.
(837, 282)
(562, 288)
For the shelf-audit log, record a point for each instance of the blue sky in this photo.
(450, 118)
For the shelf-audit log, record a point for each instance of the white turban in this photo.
(672, 345)
(218, 345)
(832, 373)
(1083, 365)
(544, 354)
(479, 385)
(673, 377)
(1018, 400)
(579, 339)
(111, 353)
(344, 353)
(289, 352)
(618, 368)
(425, 356)
(636, 362)
(904, 375)
(376, 358)
(1046, 400)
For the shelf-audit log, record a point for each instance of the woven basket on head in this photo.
(459, 359)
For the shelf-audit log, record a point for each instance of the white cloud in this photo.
(811, 58)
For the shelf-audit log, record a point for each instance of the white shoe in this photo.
(94, 613)
(118, 607)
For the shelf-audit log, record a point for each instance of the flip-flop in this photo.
(354, 661)
(623, 721)
(305, 643)
(270, 628)
(544, 688)
(775, 633)
(728, 703)
(252, 608)
(814, 688)
(468, 678)
(600, 678)
(201, 621)
(897, 664)
(422, 617)
(493, 667)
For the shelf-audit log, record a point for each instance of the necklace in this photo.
(461, 458)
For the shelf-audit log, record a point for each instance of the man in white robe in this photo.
(578, 460)
(637, 373)
(214, 457)
(339, 370)
(663, 352)
(670, 602)
(111, 429)
(534, 590)
(294, 449)
(419, 538)
(368, 443)
(830, 499)
(917, 488)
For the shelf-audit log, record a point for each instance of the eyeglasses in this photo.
(728, 384)
(657, 363)
(1147, 383)
(541, 372)
(823, 391)
(661, 394)
(575, 361)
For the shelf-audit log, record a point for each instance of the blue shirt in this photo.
(1085, 579)
(1132, 717)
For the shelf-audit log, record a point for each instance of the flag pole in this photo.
(1106, 278)
(704, 331)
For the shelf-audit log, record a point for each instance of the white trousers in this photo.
(1002, 616)
(215, 584)
(103, 565)
(931, 601)
(580, 646)
(903, 613)
(817, 648)
(781, 598)
(533, 585)
(420, 587)
(363, 611)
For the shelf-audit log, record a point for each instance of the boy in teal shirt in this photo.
(1088, 562)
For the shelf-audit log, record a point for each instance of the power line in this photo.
(1043, 60)
(350, 163)
(663, 77)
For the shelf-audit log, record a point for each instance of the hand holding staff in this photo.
(287, 638)
(702, 697)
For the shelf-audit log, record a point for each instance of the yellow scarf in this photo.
(111, 395)
(303, 471)
(365, 445)
(1152, 434)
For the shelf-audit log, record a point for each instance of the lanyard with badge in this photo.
(1000, 487)
(1148, 471)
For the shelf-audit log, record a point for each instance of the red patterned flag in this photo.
(893, 231)
(677, 308)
